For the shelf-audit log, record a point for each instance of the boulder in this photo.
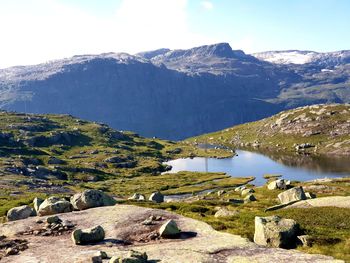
(277, 184)
(240, 188)
(54, 160)
(221, 192)
(20, 212)
(53, 220)
(54, 205)
(274, 231)
(310, 195)
(249, 198)
(247, 191)
(137, 196)
(169, 229)
(292, 195)
(88, 236)
(37, 202)
(156, 197)
(90, 199)
(132, 257)
(224, 212)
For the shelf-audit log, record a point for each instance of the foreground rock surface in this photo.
(122, 222)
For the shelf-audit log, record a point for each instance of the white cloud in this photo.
(207, 5)
(34, 31)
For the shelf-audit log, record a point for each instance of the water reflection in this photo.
(292, 167)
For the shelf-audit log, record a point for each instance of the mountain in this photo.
(172, 94)
(318, 129)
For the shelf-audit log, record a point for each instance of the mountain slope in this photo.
(318, 129)
(171, 94)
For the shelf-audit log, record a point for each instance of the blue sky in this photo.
(34, 31)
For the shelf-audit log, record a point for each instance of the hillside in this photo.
(60, 154)
(174, 94)
(317, 129)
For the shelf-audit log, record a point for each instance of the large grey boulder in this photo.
(54, 205)
(20, 212)
(88, 236)
(292, 195)
(274, 231)
(169, 229)
(156, 197)
(90, 199)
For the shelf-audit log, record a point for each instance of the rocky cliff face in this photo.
(170, 94)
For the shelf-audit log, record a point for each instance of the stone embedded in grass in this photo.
(20, 212)
(249, 198)
(292, 195)
(247, 191)
(156, 197)
(274, 231)
(224, 212)
(91, 198)
(306, 240)
(169, 229)
(240, 188)
(137, 196)
(277, 184)
(88, 236)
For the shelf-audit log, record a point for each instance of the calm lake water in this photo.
(291, 167)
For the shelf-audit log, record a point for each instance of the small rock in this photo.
(156, 197)
(221, 192)
(240, 188)
(11, 251)
(277, 184)
(249, 198)
(88, 236)
(224, 212)
(247, 191)
(53, 220)
(306, 240)
(132, 257)
(310, 195)
(169, 229)
(137, 196)
(101, 254)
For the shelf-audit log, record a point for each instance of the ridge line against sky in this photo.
(35, 31)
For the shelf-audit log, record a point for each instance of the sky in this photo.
(35, 31)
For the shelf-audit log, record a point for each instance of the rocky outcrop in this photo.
(292, 195)
(88, 236)
(54, 205)
(334, 201)
(274, 231)
(198, 241)
(91, 198)
(20, 212)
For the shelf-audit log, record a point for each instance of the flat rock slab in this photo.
(334, 201)
(199, 243)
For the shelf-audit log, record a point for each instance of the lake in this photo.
(291, 167)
